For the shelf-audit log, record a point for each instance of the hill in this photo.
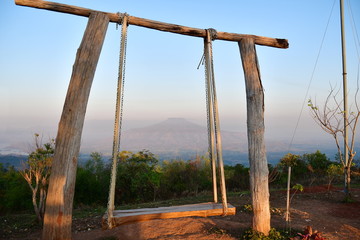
(180, 138)
(175, 138)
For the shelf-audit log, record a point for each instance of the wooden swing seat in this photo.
(145, 214)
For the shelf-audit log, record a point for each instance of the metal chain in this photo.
(118, 119)
(207, 106)
(123, 38)
(210, 113)
(212, 33)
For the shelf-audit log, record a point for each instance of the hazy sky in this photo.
(38, 48)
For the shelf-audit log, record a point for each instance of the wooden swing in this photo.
(59, 202)
(114, 217)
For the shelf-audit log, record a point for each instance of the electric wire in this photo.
(355, 33)
(311, 79)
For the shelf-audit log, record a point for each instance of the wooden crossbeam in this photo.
(161, 26)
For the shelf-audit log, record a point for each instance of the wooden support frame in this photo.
(259, 173)
(59, 202)
(58, 215)
(142, 22)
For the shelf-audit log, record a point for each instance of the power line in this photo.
(311, 78)
(355, 33)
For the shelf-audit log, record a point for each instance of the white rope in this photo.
(214, 113)
(118, 120)
(210, 113)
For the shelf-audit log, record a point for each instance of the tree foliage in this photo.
(92, 181)
(141, 177)
(14, 191)
(138, 177)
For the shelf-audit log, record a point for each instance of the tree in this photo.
(317, 163)
(289, 160)
(237, 177)
(36, 173)
(299, 169)
(331, 119)
(14, 191)
(92, 181)
(333, 171)
(138, 177)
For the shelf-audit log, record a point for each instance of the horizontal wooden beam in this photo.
(142, 22)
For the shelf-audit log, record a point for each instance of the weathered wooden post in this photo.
(255, 127)
(58, 213)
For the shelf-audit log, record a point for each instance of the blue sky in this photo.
(38, 48)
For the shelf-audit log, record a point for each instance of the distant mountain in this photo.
(12, 160)
(174, 134)
(180, 138)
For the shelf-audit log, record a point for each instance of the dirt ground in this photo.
(315, 207)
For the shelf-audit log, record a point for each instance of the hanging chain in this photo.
(118, 119)
(213, 35)
(123, 38)
(207, 86)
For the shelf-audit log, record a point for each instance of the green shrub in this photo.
(254, 235)
(92, 181)
(15, 194)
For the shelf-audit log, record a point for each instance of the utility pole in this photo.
(343, 47)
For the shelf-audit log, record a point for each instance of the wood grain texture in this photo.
(146, 214)
(161, 26)
(255, 127)
(58, 214)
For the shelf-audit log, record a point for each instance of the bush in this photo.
(254, 235)
(138, 177)
(92, 181)
(317, 163)
(237, 177)
(305, 169)
(15, 194)
(180, 178)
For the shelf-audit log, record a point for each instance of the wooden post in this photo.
(287, 215)
(58, 213)
(255, 127)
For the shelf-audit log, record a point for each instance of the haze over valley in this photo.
(174, 138)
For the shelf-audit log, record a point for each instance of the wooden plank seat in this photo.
(146, 214)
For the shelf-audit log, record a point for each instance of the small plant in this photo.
(273, 210)
(216, 230)
(298, 187)
(276, 211)
(254, 235)
(247, 208)
(309, 234)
